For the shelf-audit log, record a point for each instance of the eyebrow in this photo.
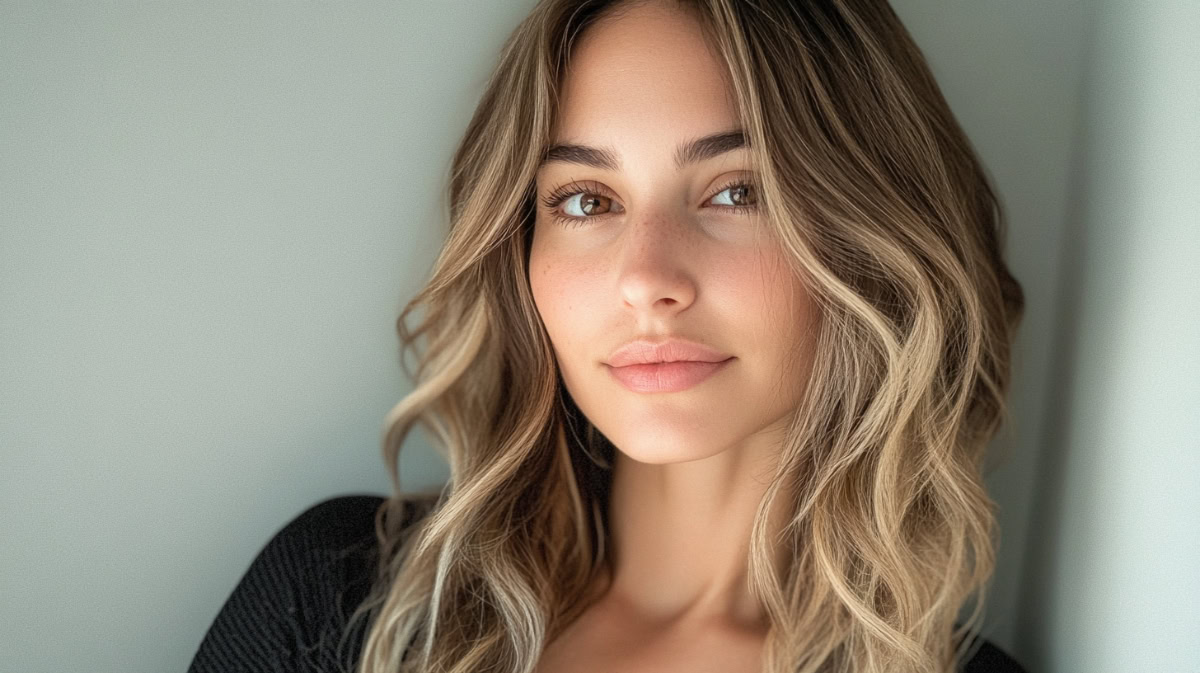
(688, 152)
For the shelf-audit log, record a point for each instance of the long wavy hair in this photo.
(872, 189)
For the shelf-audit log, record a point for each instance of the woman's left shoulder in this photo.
(989, 658)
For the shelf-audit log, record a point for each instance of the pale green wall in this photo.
(1111, 582)
(210, 214)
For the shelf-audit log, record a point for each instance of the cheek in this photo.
(785, 298)
(559, 292)
(775, 309)
(755, 290)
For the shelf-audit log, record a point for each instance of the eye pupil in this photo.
(589, 204)
(739, 194)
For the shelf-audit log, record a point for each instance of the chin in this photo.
(664, 448)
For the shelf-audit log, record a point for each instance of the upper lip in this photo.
(652, 350)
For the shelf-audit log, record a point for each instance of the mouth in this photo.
(666, 377)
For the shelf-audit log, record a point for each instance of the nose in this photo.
(657, 262)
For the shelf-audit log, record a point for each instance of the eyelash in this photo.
(552, 200)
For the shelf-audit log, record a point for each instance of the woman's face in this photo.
(662, 243)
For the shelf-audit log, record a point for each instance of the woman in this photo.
(714, 348)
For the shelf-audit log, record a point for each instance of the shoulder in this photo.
(335, 540)
(328, 527)
(322, 554)
(988, 658)
(295, 599)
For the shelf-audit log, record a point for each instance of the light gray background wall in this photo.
(210, 214)
(1111, 581)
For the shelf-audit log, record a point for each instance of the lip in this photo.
(665, 377)
(664, 365)
(671, 349)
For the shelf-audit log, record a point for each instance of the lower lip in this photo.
(665, 377)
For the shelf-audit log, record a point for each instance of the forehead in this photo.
(645, 76)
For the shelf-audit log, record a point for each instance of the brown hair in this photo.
(875, 193)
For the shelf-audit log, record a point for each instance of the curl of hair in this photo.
(869, 184)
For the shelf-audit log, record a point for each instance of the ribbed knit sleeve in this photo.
(292, 605)
(991, 659)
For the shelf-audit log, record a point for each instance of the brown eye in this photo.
(741, 195)
(583, 204)
(588, 204)
(745, 195)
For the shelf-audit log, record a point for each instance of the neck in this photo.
(680, 537)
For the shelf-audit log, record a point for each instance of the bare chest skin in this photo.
(604, 641)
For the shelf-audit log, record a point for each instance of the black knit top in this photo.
(292, 606)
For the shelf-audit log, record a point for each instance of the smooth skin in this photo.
(659, 249)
